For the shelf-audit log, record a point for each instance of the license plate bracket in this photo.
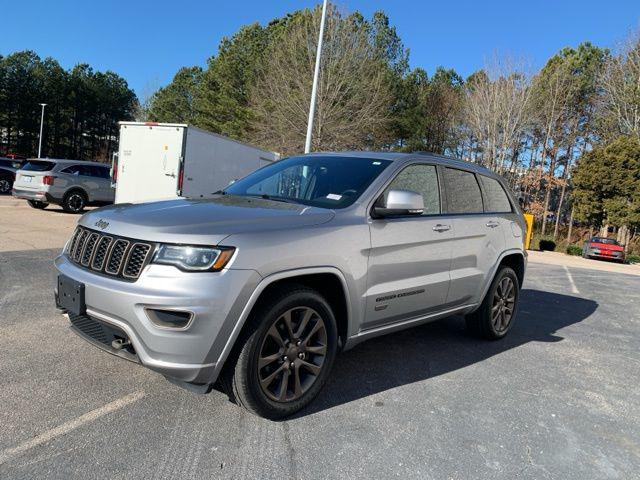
(71, 295)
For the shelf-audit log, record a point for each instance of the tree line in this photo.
(540, 130)
(80, 119)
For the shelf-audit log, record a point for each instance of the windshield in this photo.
(35, 166)
(327, 182)
(607, 241)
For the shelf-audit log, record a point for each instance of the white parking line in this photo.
(574, 289)
(65, 428)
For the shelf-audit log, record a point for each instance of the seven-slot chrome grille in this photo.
(116, 256)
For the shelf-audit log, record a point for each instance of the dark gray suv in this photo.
(261, 286)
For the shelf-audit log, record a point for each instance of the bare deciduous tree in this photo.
(496, 109)
(353, 99)
(620, 83)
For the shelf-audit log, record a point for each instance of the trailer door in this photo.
(149, 162)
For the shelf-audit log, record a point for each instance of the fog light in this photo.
(173, 319)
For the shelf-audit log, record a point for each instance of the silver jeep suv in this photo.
(73, 184)
(258, 288)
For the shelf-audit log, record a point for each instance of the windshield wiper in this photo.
(264, 196)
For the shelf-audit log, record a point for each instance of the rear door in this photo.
(408, 273)
(148, 162)
(478, 240)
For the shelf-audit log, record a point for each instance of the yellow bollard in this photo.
(527, 239)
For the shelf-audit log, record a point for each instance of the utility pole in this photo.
(40, 139)
(314, 89)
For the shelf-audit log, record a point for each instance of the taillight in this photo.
(48, 180)
(114, 172)
(180, 180)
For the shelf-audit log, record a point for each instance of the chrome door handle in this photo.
(493, 224)
(441, 228)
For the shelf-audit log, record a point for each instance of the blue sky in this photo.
(147, 41)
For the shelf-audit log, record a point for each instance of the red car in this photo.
(602, 247)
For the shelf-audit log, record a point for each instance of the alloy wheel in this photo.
(76, 202)
(292, 354)
(504, 300)
(5, 186)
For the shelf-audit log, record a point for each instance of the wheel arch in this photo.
(515, 259)
(328, 281)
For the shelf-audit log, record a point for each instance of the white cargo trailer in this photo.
(158, 161)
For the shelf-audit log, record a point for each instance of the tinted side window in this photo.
(100, 172)
(422, 179)
(72, 170)
(495, 197)
(463, 191)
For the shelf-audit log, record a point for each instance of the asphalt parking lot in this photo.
(557, 399)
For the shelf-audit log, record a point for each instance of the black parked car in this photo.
(8, 167)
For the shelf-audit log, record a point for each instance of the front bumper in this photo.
(618, 256)
(190, 355)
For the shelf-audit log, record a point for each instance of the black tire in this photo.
(74, 201)
(37, 204)
(243, 378)
(6, 184)
(483, 322)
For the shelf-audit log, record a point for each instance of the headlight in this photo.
(193, 258)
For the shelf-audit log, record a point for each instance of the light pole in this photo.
(41, 122)
(314, 89)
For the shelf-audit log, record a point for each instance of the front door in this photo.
(410, 256)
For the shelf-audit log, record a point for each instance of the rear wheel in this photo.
(37, 204)
(284, 358)
(74, 202)
(495, 316)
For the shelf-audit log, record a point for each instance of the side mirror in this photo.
(399, 202)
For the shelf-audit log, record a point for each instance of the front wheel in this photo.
(496, 315)
(38, 205)
(284, 358)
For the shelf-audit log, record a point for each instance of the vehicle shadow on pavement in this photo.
(440, 347)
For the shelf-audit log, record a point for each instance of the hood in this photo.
(205, 222)
(606, 246)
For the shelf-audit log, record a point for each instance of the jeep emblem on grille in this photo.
(101, 224)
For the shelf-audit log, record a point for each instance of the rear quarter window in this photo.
(496, 199)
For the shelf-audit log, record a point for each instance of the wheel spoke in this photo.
(312, 367)
(284, 384)
(303, 323)
(287, 322)
(268, 380)
(297, 388)
(268, 360)
(317, 349)
(316, 328)
(274, 333)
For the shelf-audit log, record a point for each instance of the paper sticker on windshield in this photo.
(333, 196)
(377, 163)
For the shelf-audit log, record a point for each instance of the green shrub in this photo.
(633, 258)
(574, 250)
(547, 244)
